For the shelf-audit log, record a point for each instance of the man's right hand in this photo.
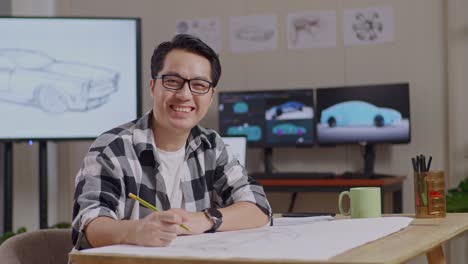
(157, 229)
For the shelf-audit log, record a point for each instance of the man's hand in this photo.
(197, 222)
(157, 229)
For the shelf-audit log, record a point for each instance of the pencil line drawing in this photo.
(368, 27)
(207, 29)
(305, 25)
(247, 240)
(311, 29)
(33, 78)
(253, 33)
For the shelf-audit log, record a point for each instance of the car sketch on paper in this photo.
(33, 78)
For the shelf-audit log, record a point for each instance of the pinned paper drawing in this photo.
(253, 33)
(207, 29)
(368, 25)
(311, 29)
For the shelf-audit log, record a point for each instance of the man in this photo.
(167, 159)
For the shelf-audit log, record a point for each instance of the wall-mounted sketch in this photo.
(368, 25)
(311, 29)
(253, 33)
(207, 29)
(367, 28)
(33, 78)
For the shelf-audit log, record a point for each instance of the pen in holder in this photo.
(429, 189)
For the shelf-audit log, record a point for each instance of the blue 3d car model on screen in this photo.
(359, 113)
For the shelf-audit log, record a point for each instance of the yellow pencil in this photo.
(152, 207)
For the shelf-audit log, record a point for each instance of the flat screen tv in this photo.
(269, 118)
(68, 78)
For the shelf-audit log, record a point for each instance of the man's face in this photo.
(181, 110)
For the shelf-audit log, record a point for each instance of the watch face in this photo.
(215, 212)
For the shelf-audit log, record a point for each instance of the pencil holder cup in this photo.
(429, 194)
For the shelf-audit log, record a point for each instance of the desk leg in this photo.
(436, 255)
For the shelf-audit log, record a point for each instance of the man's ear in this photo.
(152, 84)
(212, 94)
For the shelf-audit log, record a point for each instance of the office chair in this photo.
(47, 246)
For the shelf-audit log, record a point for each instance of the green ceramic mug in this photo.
(364, 202)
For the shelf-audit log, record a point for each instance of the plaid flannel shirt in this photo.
(124, 160)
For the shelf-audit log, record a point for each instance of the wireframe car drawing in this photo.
(290, 106)
(359, 113)
(253, 133)
(33, 78)
(254, 33)
(288, 129)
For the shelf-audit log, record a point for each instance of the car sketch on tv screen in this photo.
(33, 78)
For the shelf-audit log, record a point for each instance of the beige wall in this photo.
(416, 56)
(457, 65)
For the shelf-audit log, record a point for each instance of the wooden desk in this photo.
(387, 184)
(421, 237)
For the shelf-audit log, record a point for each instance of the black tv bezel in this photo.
(138, 71)
(362, 143)
(264, 143)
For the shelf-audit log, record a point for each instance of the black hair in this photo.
(187, 43)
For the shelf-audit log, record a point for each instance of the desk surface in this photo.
(420, 237)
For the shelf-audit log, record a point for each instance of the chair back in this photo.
(46, 246)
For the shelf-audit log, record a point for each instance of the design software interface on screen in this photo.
(363, 114)
(268, 118)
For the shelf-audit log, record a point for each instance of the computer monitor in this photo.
(243, 114)
(365, 115)
(68, 78)
(289, 118)
(268, 118)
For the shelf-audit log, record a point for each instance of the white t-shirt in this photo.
(172, 169)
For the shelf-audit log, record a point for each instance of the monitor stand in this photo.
(369, 160)
(268, 152)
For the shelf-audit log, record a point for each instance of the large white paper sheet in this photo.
(364, 26)
(315, 241)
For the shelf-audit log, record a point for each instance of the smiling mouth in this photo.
(183, 109)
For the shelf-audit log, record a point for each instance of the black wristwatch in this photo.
(216, 217)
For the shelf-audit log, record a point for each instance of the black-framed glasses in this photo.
(175, 82)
